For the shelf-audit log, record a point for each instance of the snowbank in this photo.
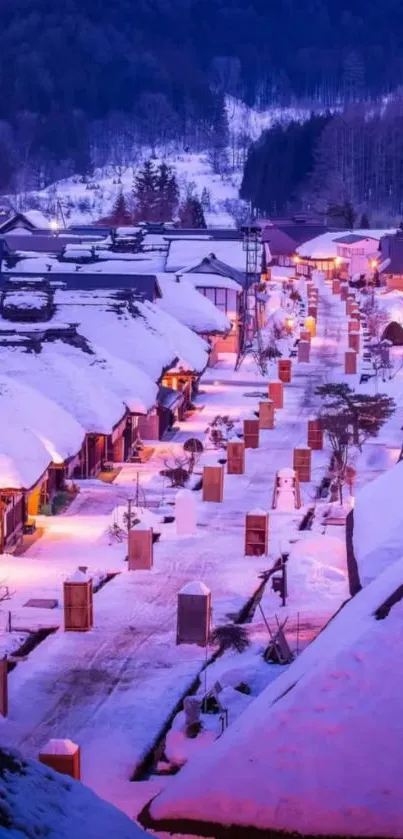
(36, 801)
(378, 524)
(181, 299)
(319, 751)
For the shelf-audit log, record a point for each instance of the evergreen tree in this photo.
(342, 215)
(120, 215)
(206, 199)
(145, 192)
(364, 223)
(191, 213)
(167, 197)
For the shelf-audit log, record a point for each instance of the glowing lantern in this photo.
(310, 325)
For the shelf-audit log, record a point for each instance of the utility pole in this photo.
(248, 315)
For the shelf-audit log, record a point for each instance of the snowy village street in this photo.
(112, 690)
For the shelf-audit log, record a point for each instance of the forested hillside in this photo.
(354, 157)
(68, 66)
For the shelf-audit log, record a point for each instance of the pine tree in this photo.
(120, 215)
(364, 223)
(167, 197)
(145, 193)
(206, 199)
(191, 213)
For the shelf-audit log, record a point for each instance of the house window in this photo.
(221, 299)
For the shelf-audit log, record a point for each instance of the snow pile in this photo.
(181, 300)
(36, 801)
(25, 299)
(319, 751)
(378, 524)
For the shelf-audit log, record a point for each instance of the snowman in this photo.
(285, 495)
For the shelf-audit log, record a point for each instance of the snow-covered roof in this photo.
(184, 252)
(60, 434)
(36, 801)
(108, 323)
(201, 280)
(37, 219)
(319, 751)
(23, 458)
(145, 335)
(181, 299)
(378, 524)
(110, 264)
(191, 350)
(52, 373)
(321, 247)
(325, 246)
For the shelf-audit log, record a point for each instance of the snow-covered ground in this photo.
(113, 689)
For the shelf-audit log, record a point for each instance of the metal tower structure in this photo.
(248, 314)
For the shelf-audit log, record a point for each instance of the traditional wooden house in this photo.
(223, 286)
(390, 261)
(182, 300)
(358, 254)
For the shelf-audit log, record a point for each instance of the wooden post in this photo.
(3, 686)
(353, 326)
(343, 291)
(304, 348)
(63, 756)
(256, 533)
(284, 370)
(349, 305)
(140, 548)
(77, 603)
(315, 435)
(313, 313)
(276, 394)
(350, 362)
(194, 614)
(251, 433)
(266, 415)
(235, 458)
(304, 335)
(354, 341)
(355, 317)
(336, 286)
(302, 464)
(213, 483)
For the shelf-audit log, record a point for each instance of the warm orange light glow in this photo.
(374, 264)
(337, 261)
(290, 322)
(296, 259)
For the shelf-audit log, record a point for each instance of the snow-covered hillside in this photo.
(93, 199)
(82, 201)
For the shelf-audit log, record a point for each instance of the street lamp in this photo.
(54, 226)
